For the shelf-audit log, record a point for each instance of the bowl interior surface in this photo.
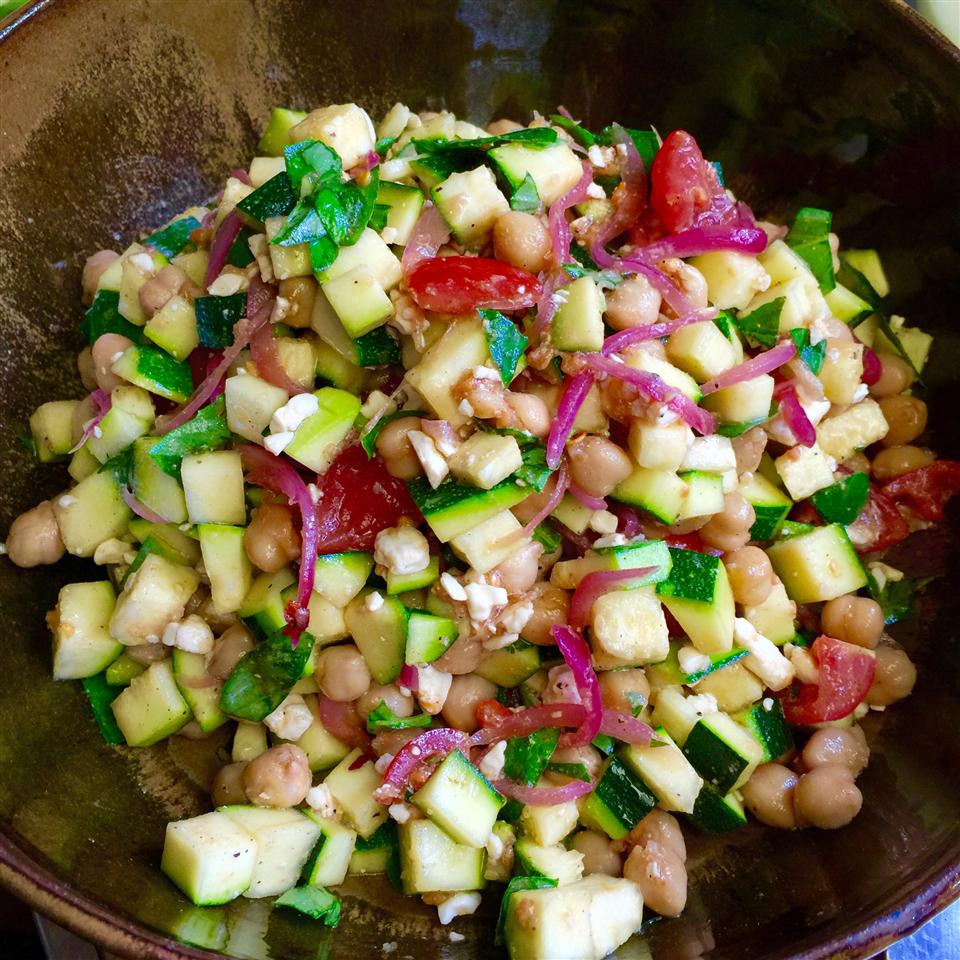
(117, 115)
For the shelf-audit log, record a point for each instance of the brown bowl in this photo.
(116, 113)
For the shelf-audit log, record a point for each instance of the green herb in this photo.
(533, 471)
(604, 743)
(647, 142)
(726, 322)
(101, 695)
(809, 237)
(582, 256)
(637, 702)
(576, 771)
(216, 317)
(505, 342)
(303, 225)
(546, 536)
(240, 254)
(103, 316)
(315, 902)
(604, 279)
(173, 238)
(30, 443)
(516, 884)
(763, 324)
(345, 208)
(536, 137)
(384, 144)
(526, 197)
(510, 812)
(208, 430)
(378, 219)
(579, 133)
(793, 528)
(264, 676)
(120, 466)
(811, 354)
(149, 545)
(381, 717)
(322, 253)
(737, 429)
(896, 596)
(526, 758)
(843, 501)
(368, 438)
(311, 158)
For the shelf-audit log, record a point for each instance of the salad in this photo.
(507, 503)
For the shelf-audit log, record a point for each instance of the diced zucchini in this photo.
(317, 439)
(169, 541)
(428, 637)
(669, 673)
(379, 629)
(767, 724)
(661, 447)
(93, 511)
(549, 825)
(341, 576)
(486, 459)
(154, 595)
(666, 771)
(770, 505)
(82, 645)
(677, 714)
(845, 305)
(285, 261)
(856, 428)
(732, 278)
(153, 486)
(819, 565)
(276, 134)
(370, 252)
(578, 321)
(868, 263)
(431, 861)
(554, 861)
(327, 865)
(249, 741)
(359, 301)
(573, 514)
(701, 350)
(405, 203)
(371, 350)
(227, 565)
(704, 494)
(724, 753)
(732, 688)
(454, 508)
(122, 670)
(629, 625)
(698, 594)
(262, 607)
(322, 748)
(213, 487)
(619, 801)
(660, 492)
(353, 791)
(774, 618)
(250, 404)
(156, 371)
(490, 542)
(804, 471)
(400, 583)
(842, 371)
(378, 853)
(554, 169)
(174, 328)
(204, 702)
(335, 368)
(743, 402)
(130, 416)
(671, 375)
(51, 426)
(262, 169)
(151, 708)
(470, 202)
(510, 666)
(717, 813)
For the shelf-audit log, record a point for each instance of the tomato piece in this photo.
(685, 190)
(491, 712)
(882, 518)
(691, 541)
(358, 499)
(846, 674)
(459, 285)
(926, 491)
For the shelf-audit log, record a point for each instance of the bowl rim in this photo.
(23, 875)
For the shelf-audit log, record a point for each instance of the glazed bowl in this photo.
(114, 115)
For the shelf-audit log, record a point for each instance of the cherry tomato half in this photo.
(685, 189)
(459, 285)
(926, 491)
(882, 518)
(491, 712)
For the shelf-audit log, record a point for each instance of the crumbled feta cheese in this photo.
(113, 551)
(144, 262)
(452, 587)
(465, 408)
(192, 635)
(401, 550)
(402, 812)
(434, 466)
(600, 156)
(703, 703)
(314, 492)
(494, 845)
(276, 443)
(767, 704)
(432, 688)
(281, 308)
(595, 192)
(291, 720)
(603, 521)
(764, 658)
(491, 766)
(374, 601)
(483, 599)
(691, 660)
(389, 234)
(860, 393)
(294, 412)
(390, 947)
(804, 666)
(459, 905)
(883, 574)
(260, 248)
(377, 401)
(485, 373)
(67, 501)
(515, 617)
(320, 799)
(382, 763)
(611, 540)
(456, 937)
(816, 410)
(226, 285)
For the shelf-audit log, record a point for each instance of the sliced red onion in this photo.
(594, 503)
(209, 217)
(557, 216)
(544, 796)
(655, 389)
(577, 654)
(593, 586)
(626, 728)
(429, 234)
(341, 721)
(266, 470)
(259, 294)
(629, 522)
(140, 509)
(442, 740)
(560, 483)
(102, 401)
(524, 722)
(220, 248)
(618, 342)
(550, 281)
(409, 677)
(242, 176)
(673, 297)
(575, 391)
(698, 240)
(762, 363)
(263, 352)
(794, 416)
(631, 163)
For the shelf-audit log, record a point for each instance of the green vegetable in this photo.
(896, 597)
(842, 502)
(303, 225)
(579, 133)
(173, 238)
(546, 536)
(216, 317)
(736, 429)
(316, 902)
(313, 159)
(206, 431)
(526, 197)
(505, 342)
(384, 144)
(120, 466)
(526, 758)
(344, 209)
(101, 695)
(368, 439)
(637, 702)
(240, 254)
(647, 142)
(518, 883)
(383, 718)
(763, 324)
(575, 770)
(582, 256)
(103, 316)
(811, 354)
(535, 137)
(809, 236)
(604, 743)
(264, 676)
(378, 219)
(275, 198)
(534, 471)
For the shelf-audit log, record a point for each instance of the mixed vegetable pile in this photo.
(498, 496)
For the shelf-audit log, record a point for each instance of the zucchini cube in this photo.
(698, 594)
(553, 861)
(722, 752)
(213, 487)
(630, 625)
(717, 813)
(327, 865)
(82, 645)
(619, 801)
(353, 789)
(432, 861)
(470, 202)
(666, 772)
(51, 426)
(818, 566)
(151, 708)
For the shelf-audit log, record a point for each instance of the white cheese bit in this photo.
(294, 412)
(432, 689)
(603, 521)
(276, 443)
(401, 550)
(666, 416)
(816, 410)
(144, 262)
(434, 466)
(713, 453)
(376, 402)
(291, 720)
(465, 408)
(703, 703)
(456, 937)
(281, 308)
(320, 799)
(67, 501)
(382, 763)
(373, 602)
(601, 156)
(804, 666)
(767, 704)
(884, 574)
(390, 947)
(314, 492)
(192, 635)
(453, 587)
(861, 710)
(389, 234)
(611, 540)
(225, 285)
(113, 551)
(494, 845)
(483, 599)
(515, 617)
(491, 766)
(402, 812)
(764, 658)
(260, 248)
(860, 393)
(595, 191)
(459, 905)
(691, 660)
(485, 373)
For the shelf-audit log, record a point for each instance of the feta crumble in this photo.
(483, 599)
(192, 635)
(294, 412)
(401, 550)
(459, 905)
(453, 587)
(434, 466)
(432, 688)
(764, 657)
(291, 719)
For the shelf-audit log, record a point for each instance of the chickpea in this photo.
(857, 620)
(521, 239)
(598, 853)
(748, 449)
(661, 876)
(530, 506)
(532, 412)
(233, 643)
(751, 575)
(768, 795)
(844, 745)
(391, 741)
(86, 369)
(270, 540)
(106, 349)
(499, 127)
(893, 678)
(858, 463)
(550, 606)
(616, 684)
(193, 731)
(227, 786)
(597, 465)
(688, 279)
(155, 293)
(389, 693)
(93, 270)
(906, 419)
(900, 459)
(300, 292)
(279, 777)
(342, 673)
(827, 797)
(34, 537)
(466, 691)
(395, 448)
(635, 303)
(730, 529)
(147, 653)
(660, 827)
(519, 573)
(895, 376)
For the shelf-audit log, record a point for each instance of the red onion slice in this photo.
(618, 342)
(624, 727)
(102, 401)
(442, 740)
(340, 721)
(574, 393)
(140, 509)
(794, 416)
(577, 655)
(594, 503)
(559, 489)
(557, 219)
(593, 586)
(762, 363)
(544, 796)
(524, 722)
(698, 240)
(429, 234)
(409, 677)
(263, 352)
(220, 248)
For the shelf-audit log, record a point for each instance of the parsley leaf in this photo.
(579, 133)
(896, 596)
(842, 501)
(763, 324)
(534, 471)
(314, 159)
(732, 430)
(316, 902)
(384, 144)
(809, 237)
(383, 718)
(811, 354)
(505, 342)
(647, 142)
(536, 137)
(526, 197)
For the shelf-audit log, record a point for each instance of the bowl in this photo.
(116, 115)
